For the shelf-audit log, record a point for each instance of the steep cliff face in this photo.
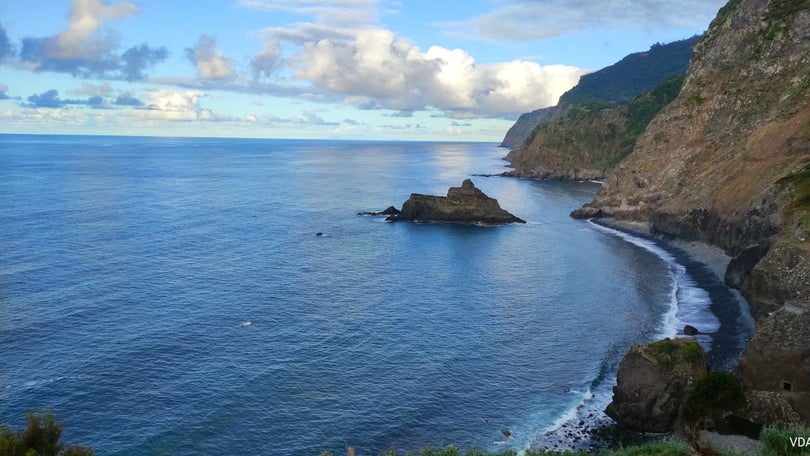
(589, 138)
(728, 162)
(525, 124)
(616, 84)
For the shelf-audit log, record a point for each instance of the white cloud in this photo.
(175, 105)
(526, 20)
(79, 40)
(334, 12)
(375, 68)
(210, 63)
(268, 60)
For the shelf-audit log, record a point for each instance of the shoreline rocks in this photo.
(390, 210)
(653, 381)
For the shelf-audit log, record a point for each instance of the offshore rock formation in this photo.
(466, 204)
(653, 381)
(728, 163)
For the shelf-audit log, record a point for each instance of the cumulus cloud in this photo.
(3, 90)
(135, 61)
(377, 69)
(339, 56)
(83, 50)
(79, 40)
(268, 60)
(176, 106)
(51, 99)
(6, 50)
(526, 20)
(126, 99)
(210, 63)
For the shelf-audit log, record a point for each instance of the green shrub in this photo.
(775, 441)
(654, 449)
(42, 436)
(716, 391)
(692, 353)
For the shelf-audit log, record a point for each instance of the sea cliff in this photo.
(611, 87)
(728, 162)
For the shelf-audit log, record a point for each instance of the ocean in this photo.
(169, 296)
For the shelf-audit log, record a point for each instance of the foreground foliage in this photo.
(777, 441)
(42, 436)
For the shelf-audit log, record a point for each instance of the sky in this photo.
(327, 69)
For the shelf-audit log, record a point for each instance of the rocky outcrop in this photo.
(728, 163)
(390, 210)
(653, 381)
(466, 204)
(768, 408)
(778, 357)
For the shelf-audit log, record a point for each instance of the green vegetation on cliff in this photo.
(618, 84)
(716, 391)
(593, 135)
(633, 75)
(799, 207)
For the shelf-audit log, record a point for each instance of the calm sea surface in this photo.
(129, 268)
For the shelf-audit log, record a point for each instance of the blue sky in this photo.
(333, 69)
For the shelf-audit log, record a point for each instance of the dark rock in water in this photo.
(465, 204)
(390, 210)
(319, 233)
(652, 383)
(690, 330)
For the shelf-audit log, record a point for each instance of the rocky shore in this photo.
(727, 163)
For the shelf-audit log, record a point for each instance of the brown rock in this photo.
(653, 381)
(778, 358)
(768, 407)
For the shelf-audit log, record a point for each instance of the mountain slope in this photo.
(618, 83)
(589, 138)
(728, 162)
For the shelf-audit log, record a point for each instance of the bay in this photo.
(130, 268)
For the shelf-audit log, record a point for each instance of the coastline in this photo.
(706, 264)
(589, 429)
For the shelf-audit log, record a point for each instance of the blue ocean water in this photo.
(130, 266)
